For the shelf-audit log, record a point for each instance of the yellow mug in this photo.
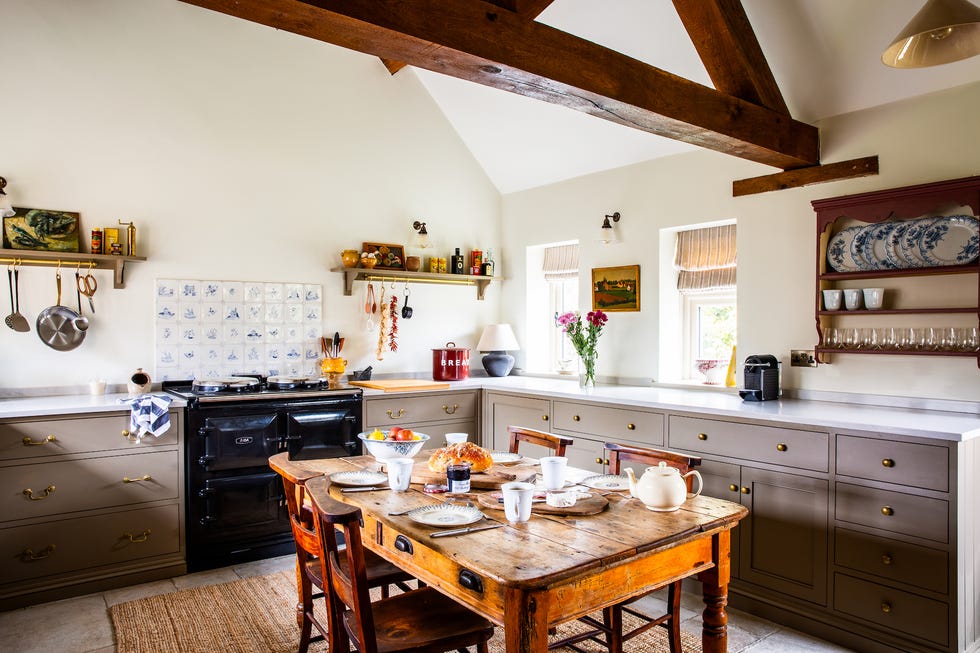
(333, 365)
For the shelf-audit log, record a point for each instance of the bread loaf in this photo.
(462, 452)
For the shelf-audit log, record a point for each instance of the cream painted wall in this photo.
(241, 153)
(928, 139)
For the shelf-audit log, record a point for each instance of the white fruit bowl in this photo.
(385, 449)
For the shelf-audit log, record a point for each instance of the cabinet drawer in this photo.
(893, 511)
(36, 439)
(610, 424)
(905, 463)
(86, 484)
(892, 609)
(72, 544)
(768, 444)
(396, 411)
(893, 560)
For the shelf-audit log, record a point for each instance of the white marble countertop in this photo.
(801, 413)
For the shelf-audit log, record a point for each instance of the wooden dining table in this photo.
(531, 576)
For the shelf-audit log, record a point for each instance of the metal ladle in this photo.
(80, 322)
(406, 309)
(15, 320)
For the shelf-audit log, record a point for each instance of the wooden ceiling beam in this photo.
(529, 9)
(480, 42)
(730, 51)
(851, 169)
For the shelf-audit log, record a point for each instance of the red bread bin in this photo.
(451, 363)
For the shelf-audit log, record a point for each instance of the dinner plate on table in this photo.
(505, 457)
(950, 240)
(359, 478)
(606, 482)
(445, 514)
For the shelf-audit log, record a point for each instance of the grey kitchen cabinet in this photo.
(502, 410)
(591, 426)
(783, 544)
(86, 507)
(433, 414)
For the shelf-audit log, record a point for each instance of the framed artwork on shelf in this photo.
(616, 289)
(391, 257)
(41, 230)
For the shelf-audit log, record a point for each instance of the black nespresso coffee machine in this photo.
(761, 378)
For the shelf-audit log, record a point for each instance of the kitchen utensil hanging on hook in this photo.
(406, 309)
(80, 322)
(19, 321)
(368, 302)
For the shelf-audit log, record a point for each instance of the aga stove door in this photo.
(236, 441)
(326, 432)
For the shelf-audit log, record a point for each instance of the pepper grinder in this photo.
(130, 237)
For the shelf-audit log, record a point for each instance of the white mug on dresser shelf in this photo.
(874, 298)
(832, 299)
(852, 299)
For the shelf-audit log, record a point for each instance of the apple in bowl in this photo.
(394, 443)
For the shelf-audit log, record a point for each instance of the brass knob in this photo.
(888, 462)
(606, 461)
(144, 477)
(733, 487)
(781, 447)
(28, 442)
(631, 427)
(887, 511)
(129, 436)
(392, 415)
(886, 607)
(886, 559)
(447, 410)
(544, 418)
(576, 418)
(29, 493)
(598, 461)
(702, 436)
(746, 490)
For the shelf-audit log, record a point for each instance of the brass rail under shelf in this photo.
(404, 276)
(71, 260)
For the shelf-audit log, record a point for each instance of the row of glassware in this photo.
(951, 339)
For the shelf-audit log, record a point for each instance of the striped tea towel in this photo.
(149, 415)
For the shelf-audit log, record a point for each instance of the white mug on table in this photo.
(517, 501)
(553, 471)
(399, 473)
(456, 438)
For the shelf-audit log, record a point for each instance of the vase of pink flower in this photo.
(584, 337)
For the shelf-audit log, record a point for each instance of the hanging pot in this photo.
(451, 363)
(56, 325)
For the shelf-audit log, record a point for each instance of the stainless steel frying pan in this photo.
(56, 325)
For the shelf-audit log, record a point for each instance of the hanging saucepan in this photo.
(56, 324)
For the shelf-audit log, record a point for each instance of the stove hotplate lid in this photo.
(225, 383)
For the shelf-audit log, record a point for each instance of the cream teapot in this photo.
(662, 488)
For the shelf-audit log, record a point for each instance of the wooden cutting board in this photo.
(491, 479)
(592, 505)
(401, 385)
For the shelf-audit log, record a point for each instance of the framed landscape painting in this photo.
(616, 289)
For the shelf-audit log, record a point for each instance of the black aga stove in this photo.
(235, 508)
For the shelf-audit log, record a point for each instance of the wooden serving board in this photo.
(491, 479)
(401, 385)
(594, 504)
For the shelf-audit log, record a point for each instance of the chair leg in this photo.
(674, 624)
(304, 635)
(299, 594)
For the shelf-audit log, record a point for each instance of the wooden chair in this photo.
(613, 617)
(309, 579)
(420, 621)
(557, 443)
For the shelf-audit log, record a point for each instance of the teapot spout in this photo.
(632, 477)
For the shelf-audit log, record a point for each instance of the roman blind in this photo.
(705, 259)
(560, 262)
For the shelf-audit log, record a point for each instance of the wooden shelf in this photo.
(903, 311)
(375, 274)
(70, 260)
(898, 352)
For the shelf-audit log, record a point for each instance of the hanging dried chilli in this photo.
(393, 331)
(380, 354)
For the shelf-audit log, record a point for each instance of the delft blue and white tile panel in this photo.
(217, 328)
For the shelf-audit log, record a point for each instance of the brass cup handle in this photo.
(887, 462)
(576, 418)
(781, 447)
(446, 409)
(702, 436)
(29, 493)
(28, 442)
(144, 477)
(887, 511)
(392, 415)
(129, 436)
(733, 487)
(631, 427)
(28, 555)
(886, 607)
(142, 537)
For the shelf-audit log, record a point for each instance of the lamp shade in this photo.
(498, 337)
(942, 32)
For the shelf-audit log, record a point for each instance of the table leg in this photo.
(525, 622)
(714, 631)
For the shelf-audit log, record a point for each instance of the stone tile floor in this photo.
(82, 625)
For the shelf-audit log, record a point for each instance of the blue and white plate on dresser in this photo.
(839, 250)
(858, 245)
(875, 245)
(909, 247)
(893, 246)
(951, 240)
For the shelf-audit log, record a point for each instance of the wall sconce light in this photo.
(498, 339)
(607, 232)
(6, 210)
(422, 237)
(942, 32)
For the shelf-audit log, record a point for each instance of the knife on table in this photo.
(461, 531)
(364, 489)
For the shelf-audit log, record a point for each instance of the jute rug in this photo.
(256, 615)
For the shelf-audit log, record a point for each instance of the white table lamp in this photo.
(498, 339)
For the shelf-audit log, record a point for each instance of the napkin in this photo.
(149, 414)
